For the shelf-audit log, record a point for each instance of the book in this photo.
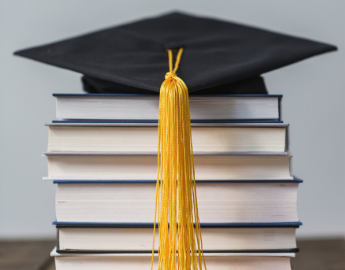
(145, 107)
(134, 261)
(218, 202)
(142, 137)
(143, 166)
(136, 238)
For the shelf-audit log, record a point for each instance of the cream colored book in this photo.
(145, 107)
(218, 202)
(139, 239)
(143, 166)
(129, 138)
(134, 261)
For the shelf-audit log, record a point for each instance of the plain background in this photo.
(313, 100)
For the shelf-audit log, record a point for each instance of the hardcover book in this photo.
(142, 137)
(145, 107)
(134, 261)
(218, 201)
(122, 238)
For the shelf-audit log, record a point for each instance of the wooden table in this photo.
(322, 254)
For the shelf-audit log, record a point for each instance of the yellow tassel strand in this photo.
(176, 198)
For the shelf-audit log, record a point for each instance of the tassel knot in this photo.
(170, 74)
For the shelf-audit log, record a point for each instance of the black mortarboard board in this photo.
(219, 57)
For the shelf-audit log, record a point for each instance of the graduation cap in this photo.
(218, 57)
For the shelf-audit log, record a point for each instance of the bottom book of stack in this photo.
(135, 261)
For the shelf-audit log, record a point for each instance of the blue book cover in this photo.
(76, 102)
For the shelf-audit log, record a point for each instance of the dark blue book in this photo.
(226, 203)
(144, 108)
(81, 237)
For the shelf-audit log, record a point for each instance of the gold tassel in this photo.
(176, 198)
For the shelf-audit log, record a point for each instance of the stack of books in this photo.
(102, 155)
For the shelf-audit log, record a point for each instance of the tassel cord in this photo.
(176, 206)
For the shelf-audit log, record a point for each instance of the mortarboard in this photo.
(219, 58)
(131, 58)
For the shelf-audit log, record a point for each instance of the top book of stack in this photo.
(144, 108)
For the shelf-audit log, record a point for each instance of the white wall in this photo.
(313, 99)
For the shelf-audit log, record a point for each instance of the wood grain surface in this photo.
(320, 254)
(316, 254)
